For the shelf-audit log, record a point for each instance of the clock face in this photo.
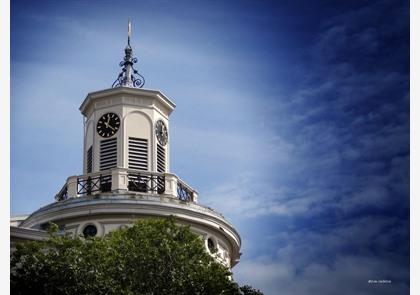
(161, 132)
(108, 125)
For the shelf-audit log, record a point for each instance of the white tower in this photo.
(126, 172)
(126, 127)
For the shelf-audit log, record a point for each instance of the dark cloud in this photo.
(349, 125)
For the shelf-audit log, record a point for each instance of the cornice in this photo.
(131, 205)
(27, 233)
(154, 94)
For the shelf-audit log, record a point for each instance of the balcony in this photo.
(121, 180)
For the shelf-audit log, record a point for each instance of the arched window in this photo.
(211, 245)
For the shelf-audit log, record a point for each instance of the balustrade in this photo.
(129, 180)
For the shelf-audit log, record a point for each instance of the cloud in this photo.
(245, 197)
(337, 205)
(348, 275)
(339, 259)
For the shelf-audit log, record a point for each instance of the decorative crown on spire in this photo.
(129, 77)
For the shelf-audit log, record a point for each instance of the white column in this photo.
(119, 180)
(195, 197)
(72, 187)
(171, 184)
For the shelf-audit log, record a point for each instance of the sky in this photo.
(292, 120)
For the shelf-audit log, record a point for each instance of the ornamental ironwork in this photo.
(89, 185)
(62, 195)
(129, 76)
(146, 183)
(184, 193)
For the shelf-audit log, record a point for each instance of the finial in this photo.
(129, 77)
(129, 32)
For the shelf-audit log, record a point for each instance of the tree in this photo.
(154, 256)
(248, 290)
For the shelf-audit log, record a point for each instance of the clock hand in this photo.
(107, 125)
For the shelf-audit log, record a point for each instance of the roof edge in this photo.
(126, 90)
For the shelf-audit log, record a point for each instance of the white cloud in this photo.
(335, 260)
(250, 196)
(349, 275)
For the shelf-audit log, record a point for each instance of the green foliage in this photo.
(248, 290)
(155, 256)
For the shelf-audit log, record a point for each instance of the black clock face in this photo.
(161, 132)
(108, 125)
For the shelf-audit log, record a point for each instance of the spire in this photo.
(129, 32)
(129, 77)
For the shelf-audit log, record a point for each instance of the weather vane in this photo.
(129, 76)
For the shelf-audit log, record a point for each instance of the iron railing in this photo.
(91, 184)
(146, 183)
(184, 193)
(62, 194)
(137, 181)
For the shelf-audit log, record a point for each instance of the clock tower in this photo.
(126, 126)
(126, 173)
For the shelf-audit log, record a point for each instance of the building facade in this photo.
(126, 173)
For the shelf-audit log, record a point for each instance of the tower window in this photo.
(108, 152)
(90, 231)
(211, 246)
(89, 160)
(137, 153)
(161, 158)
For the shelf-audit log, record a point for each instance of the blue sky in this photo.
(292, 120)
